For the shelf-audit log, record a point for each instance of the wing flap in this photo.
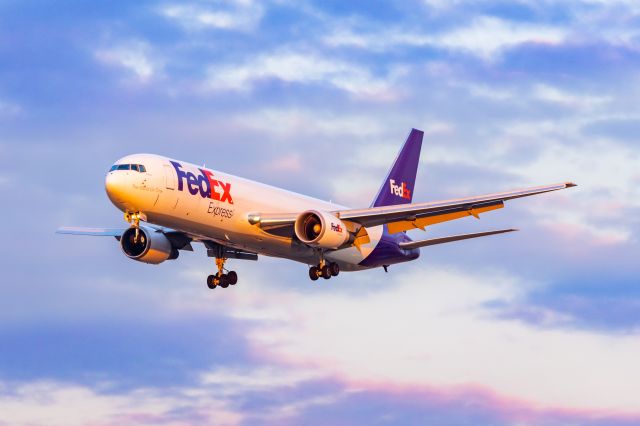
(452, 238)
(422, 222)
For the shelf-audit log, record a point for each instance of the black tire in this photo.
(335, 269)
(224, 281)
(210, 282)
(232, 276)
(313, 273)
(326, 272)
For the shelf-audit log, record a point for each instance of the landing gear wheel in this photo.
(232, 276)
(313, 273)
(326, 272)
(224, 281)
(335, 269)
(221, 279)
(211, 282)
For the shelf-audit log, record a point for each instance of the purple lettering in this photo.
(203, 184)
(192, 183)
(180, 174)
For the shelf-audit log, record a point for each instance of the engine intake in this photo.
(321, 229)
(150, 246)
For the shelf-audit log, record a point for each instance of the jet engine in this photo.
(150, 246)
(321, 229)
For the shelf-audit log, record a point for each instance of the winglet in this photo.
(570, 184)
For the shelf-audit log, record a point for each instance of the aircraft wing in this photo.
(179, 240)
(418, 215)
(95, 232)
(409, 216)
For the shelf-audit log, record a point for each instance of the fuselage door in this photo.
(169, 177)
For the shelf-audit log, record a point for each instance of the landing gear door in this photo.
(169, 177)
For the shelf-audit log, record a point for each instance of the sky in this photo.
(538, 327)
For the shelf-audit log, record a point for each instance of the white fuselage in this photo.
(216, 206)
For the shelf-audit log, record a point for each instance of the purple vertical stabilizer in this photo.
(398, 186)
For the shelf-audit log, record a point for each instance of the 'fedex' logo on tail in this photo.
(400, 190)
(205, 184)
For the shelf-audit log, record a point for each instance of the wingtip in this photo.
(570, 184)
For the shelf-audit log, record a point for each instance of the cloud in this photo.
(598, 198)
(485, 37)
(442, 5)
(432, 327)
(294, 123)
(223, 396)
(239, 381)
(305, 68)
(555, 95)
(134, 56)
(56, 403)
(243, 15)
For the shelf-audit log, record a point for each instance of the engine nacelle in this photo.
(321, 229)
(150, 247)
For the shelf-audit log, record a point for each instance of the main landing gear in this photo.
(221, 279)
(325, 270)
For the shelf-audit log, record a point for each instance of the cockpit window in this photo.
(135, 167)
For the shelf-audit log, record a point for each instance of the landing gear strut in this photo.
(221, 279)
(134, 220)
(324, 269)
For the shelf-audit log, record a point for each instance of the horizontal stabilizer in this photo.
(442, 240)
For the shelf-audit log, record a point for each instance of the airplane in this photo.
(170, 204)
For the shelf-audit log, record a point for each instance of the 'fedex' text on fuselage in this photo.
(205, 184)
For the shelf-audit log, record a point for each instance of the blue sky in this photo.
(535, 328)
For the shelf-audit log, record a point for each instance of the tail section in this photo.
(398, 186)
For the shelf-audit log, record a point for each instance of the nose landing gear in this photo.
(134, 219)
(221, 279)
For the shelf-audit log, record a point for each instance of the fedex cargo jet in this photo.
(170, 204)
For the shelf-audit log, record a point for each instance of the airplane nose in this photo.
(115, 186)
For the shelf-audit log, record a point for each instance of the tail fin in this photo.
(398, 186)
